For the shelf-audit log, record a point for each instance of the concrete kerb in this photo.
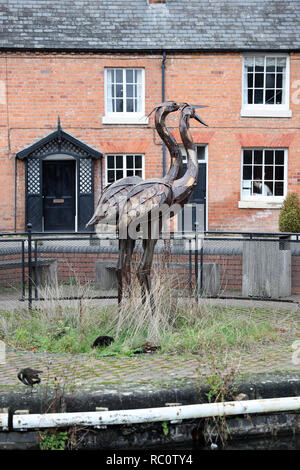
(132, 396)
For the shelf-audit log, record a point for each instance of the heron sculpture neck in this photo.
(168, 138)
(183, 187)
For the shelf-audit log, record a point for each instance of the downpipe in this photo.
(147, 415)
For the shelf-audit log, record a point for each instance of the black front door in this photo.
(59, 195)
(195, 210)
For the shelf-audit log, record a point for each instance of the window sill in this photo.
(264, 111)
(136, 119)
(260, 204)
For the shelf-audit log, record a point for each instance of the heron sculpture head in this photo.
(189, 111)
(167, 106)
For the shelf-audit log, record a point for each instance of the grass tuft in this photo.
(178, 326)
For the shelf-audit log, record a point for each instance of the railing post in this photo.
(29, 228)
(196, 262)
(35, 271)
(190, 267)
(23, 270)
(201, 265)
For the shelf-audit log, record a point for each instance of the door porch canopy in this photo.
(60, 144)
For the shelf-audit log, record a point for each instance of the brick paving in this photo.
(86, 370)
(81, 370)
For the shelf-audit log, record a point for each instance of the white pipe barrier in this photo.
(98, 418)
(3, 420)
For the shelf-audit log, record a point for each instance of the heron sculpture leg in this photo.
(126, 247)
(120, 267)
(127, 267)
(143, 271)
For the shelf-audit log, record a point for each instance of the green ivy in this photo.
(165, 428)
(52, 440)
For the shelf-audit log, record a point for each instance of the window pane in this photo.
(269, 172)
(257, 172)
(279, 172)
(247, 172)
(250, 96)
(257, 187)
(119, 91)
(258, 96)
(279, 80)
(268, 188)
(119, 174)
(119, 76)
(270, 64)
(269, 157)
(138, 173)
(129, 106)
(201, 153)
(119, 106)
(119, 161)
(138, 161)
(279, 157)
(279, 189)
(110, 176)
(250, 80)
(130, 173)
(270, 80)
(259, 80)
(259, 64)
(129, 161)
(281, 62)
(258, 156)
(247, 156)
(129, 76)
(270, 96)
(129, 91)
(278, 96)
(110, 161)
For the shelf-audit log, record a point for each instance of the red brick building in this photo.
(102, 67)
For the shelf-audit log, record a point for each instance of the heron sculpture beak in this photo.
(198, 118)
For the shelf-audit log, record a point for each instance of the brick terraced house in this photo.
(79, 78)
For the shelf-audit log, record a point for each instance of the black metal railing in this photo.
(200, 254)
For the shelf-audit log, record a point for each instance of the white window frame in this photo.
(124, 155)
(266, 110)
(260, 201)
(124, 117)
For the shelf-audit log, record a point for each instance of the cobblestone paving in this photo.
(84, 370)
(81, 370)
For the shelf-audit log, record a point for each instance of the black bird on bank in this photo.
(102, 341)
(29, 376)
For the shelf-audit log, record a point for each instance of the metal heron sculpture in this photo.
(115, 195)
(145, 200)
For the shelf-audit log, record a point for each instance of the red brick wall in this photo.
(81, 266)
(38, 87)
